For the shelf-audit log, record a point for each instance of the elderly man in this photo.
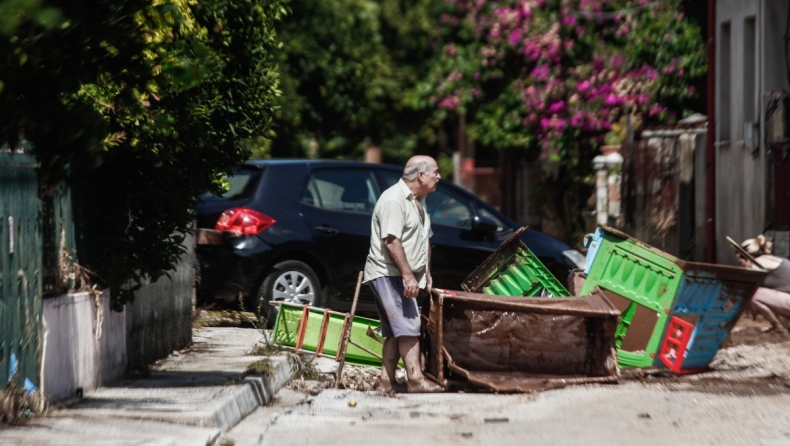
(398, 266)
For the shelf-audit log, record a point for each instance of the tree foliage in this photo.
(346, 69)
(550, 78)
(142, 105)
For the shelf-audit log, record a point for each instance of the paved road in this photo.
(631, 413)
(745, 401)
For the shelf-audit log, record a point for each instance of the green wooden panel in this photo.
(20, 266)
(287, 327)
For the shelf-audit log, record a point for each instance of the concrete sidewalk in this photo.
(189, 398)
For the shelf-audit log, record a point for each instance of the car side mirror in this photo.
(483, 225)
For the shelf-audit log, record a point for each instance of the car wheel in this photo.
(290, 281)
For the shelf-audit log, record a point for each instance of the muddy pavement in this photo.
(635, 413)
(744, 401)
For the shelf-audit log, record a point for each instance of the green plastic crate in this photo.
(641, 274)
(513, 270)
(286, 332)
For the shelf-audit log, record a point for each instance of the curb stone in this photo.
(254, 391)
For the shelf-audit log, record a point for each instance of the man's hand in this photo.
(410, 286)
(395, 250)
(428, 283)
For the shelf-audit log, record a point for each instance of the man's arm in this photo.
(398, 256)
(428, 278)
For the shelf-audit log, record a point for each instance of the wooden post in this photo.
(347, 333)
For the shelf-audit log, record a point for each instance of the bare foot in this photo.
(388, 387)
(777, 329)
(423, 386)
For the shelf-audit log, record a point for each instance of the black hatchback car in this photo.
(305, 233)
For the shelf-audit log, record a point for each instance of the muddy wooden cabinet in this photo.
(512, 344)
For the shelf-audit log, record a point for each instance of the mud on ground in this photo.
(752, 361)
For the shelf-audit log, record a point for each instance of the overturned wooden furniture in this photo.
(513, 270)
(511, 344)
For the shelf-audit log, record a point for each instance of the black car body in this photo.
(322, 215)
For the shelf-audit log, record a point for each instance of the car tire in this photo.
(290, 281)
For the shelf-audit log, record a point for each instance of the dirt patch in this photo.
(748, 331)
(225, 318)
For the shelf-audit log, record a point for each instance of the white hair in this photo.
(410, 172)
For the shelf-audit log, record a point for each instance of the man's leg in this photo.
(410, 351)
(409, 347)
(390, 362)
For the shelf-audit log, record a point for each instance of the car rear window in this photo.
(341, 190)
(242, 185)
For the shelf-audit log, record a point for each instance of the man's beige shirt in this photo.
(396, 214)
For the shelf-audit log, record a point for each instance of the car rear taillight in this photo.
(244, 220)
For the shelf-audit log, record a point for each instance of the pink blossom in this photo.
(584, 86)
(557, 107)
(559, 124)
(477, 75)
(541, 72)
(449, 102)
(577, 119)
(514, 36)
(655, 109)
(569, 20)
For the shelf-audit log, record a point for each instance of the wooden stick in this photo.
(347, 333)
(744, 253)
(372, 334)
(362, 347)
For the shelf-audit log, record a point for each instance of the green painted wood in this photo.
(514, 270)
(20, 266)
(287, 327)
(642, 274)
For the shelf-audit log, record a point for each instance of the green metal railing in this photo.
(20, 267)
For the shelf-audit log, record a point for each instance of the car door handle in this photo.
(326, 229)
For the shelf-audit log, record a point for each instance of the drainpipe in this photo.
(710, 157)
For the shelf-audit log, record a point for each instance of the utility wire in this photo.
(615, 14)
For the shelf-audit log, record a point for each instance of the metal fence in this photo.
(59, 253)
(20, 267)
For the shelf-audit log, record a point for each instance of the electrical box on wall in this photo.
(777, 115)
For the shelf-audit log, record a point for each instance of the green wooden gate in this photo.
(20, 267)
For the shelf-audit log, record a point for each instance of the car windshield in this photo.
(242, 185)
(500, 225)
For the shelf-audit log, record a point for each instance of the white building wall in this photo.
(740, 178)
(73, 357)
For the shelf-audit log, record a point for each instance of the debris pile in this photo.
(516, 328)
